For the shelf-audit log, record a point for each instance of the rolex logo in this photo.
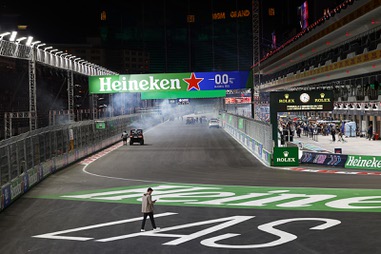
(322, 95)
(286, 158)
(286, 95)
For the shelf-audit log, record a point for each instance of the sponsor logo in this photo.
(287, 99)
(150, 84)
(369, 162)
(322, 98)
(286, 156)
(275, 198)
(285, 159)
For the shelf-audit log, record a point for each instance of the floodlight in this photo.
(29, 41)
(13, 36)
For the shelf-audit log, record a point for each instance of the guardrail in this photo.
(27, 159)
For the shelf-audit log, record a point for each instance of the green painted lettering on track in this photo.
(249, 197)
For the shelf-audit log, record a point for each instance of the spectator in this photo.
(370, 132)
(333, 133)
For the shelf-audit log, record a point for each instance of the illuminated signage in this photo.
(302, 101)
(184, 101)
(232, 14)
(183, 94)
(237, 100)
(286, 156)
(168, 82)
(190, 19)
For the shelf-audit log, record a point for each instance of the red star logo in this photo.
(193, 82)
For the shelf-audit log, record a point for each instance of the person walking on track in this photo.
(147, 209)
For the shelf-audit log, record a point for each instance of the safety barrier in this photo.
(366, 162)
(29, 158)
(255, 136)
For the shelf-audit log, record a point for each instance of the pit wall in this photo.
(255, 136)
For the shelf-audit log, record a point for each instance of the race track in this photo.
(213, 197)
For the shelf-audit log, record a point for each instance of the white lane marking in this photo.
(56, 235)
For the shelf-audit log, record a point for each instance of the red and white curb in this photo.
(100, 154)
(328, 171)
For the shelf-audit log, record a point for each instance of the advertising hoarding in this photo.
(168, 82)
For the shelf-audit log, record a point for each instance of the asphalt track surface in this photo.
(194, 155)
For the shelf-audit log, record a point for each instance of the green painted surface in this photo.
(247, 197)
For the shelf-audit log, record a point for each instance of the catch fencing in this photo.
(27, 159)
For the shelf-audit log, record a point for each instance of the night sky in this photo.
(71, 21)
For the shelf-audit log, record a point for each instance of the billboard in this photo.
(237, 100)
(316, 100)
(286, 156)
(168, 82)
(183, 94)
(303, 13)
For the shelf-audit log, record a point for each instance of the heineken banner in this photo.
(183, 94)
(286, 156)
(362, 161)
(168, 82)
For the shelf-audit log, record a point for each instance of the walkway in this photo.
(352, 145)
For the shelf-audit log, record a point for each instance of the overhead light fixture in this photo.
(29, 41)
(47, 48)
(13, 36)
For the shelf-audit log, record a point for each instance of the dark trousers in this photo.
(150, 217)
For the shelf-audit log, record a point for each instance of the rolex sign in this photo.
(286, 156)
